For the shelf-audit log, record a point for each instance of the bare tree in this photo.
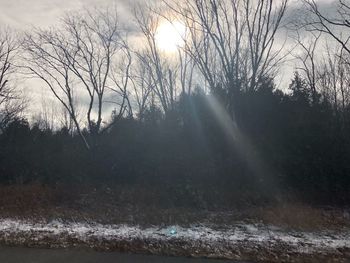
(121, 79)
(336, 27)
(75, 60)
(334, 76)
(45, 118)
(307, 57)
(233, 42)
(53, 116)
(333, 71)
(170, 74)
(325, 69)
(142, 85)
(11, 101)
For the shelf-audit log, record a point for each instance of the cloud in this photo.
(23, 14)
(298, 9)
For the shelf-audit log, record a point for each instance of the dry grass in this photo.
(304, 217)
(148, 207)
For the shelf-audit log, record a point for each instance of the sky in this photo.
(26, 14)
(23, 13)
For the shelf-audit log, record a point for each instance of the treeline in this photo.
(304, 147)
(201, 120)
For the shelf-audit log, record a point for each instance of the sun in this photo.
(170, 36)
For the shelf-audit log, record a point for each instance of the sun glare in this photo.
(170, 36)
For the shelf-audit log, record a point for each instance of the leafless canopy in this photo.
(327, 69)
(233, 41)
(10, 99)
(337, 26)
(167, 75)
(76, 59)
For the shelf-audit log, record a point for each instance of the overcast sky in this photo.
(24, 14)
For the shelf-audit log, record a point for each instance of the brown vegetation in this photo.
(135, 206)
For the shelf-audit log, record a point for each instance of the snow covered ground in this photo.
(241, 242)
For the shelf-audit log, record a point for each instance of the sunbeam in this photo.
(241, 143)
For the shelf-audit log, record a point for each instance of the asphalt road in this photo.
(26, 255)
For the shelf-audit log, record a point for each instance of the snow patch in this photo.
(252, 235)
